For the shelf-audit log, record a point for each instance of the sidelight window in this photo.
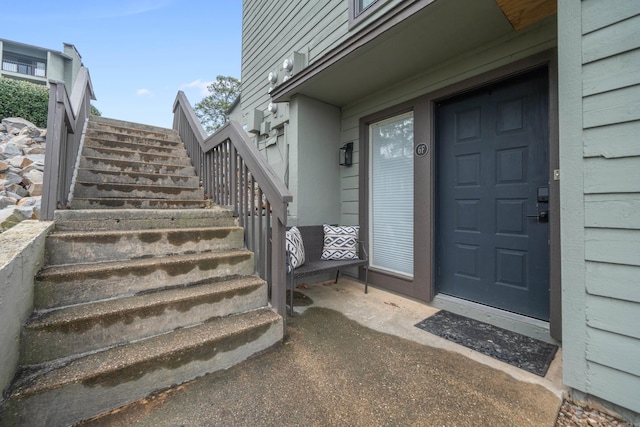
(391, 195)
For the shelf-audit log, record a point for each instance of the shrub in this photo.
(24, 99)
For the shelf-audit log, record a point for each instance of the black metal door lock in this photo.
(542, 216)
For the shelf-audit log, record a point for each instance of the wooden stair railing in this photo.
(66, 119)
(235, 174)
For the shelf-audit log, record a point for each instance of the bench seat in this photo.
(313, 241)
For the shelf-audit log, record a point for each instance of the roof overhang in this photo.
(413, 37)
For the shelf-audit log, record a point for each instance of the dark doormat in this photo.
(515, 349)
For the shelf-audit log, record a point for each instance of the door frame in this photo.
(423, 285)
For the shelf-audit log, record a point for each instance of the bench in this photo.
(313, 241)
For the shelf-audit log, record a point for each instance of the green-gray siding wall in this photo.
(516, 46)
(599, 88)
(271, 32)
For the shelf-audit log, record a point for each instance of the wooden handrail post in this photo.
(279, 284)
(235, 168)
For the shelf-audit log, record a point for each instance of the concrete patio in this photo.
(356, 359)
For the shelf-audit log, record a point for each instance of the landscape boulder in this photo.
(22, 153)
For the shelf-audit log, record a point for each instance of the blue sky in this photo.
(139, 52)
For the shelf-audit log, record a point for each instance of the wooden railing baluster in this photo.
(66, 119)
(232, 170)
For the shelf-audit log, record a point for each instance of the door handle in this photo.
(542, 216)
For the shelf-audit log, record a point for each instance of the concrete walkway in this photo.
(357, 360)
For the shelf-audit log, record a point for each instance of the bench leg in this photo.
(366, 280)
(337, 275)
(293, 286)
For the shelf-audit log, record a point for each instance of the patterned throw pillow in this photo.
(295, 249)
(340, 242)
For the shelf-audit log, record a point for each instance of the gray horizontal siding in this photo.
(611, 122)
(615, 351)
(614, 385)
(273, 30)
(611, 40)
(620, 175)
(612, 211)
(612, 73)
(616, 140)
(614, 317)
(613, 281)
(597, 14)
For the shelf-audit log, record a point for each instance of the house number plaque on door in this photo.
(421, 149)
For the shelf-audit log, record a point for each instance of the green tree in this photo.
(211, 111)
(95, 111)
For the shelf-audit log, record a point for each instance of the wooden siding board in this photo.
(349, 195)
(280, 29)
(597, 14)
(613, 211)
(613, 385)
(614, 246)
(350, 208)
(350, 182)
(612, 175)
(611, 73)
(614, 351)
(612, 141)
(611, 40)
(613, 281)
(616, 106)
(265, 48)
(616, 316)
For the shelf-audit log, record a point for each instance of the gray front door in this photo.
(492, 239)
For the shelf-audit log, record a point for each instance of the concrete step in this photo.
(111, 190)
(137, 129)
(101, 246)
(126, 166)
(168, 140)
(141, 219)
(104, 203)
(133, 144)
(99, 382)
(58, 286)
(79, 329)
(119, 177)
(135, 156)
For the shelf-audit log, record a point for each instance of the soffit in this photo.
(437, 32)
(522, 13)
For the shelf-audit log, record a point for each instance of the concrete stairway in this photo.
(132, 301)
(127, 165)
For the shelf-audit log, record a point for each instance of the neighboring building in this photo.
(496, 157)
(37, 65)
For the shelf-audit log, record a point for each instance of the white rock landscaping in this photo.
(22, 148)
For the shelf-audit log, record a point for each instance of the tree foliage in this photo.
(211, 111)
(95, 111)
(24, 99)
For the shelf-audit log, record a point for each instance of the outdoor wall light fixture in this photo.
(287, 65)
(346, 154)
(273, 108)
(273, 77)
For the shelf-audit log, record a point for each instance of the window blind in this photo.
(391, 190)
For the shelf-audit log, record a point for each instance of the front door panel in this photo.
(492, 239)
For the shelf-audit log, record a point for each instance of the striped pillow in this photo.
(295, 249)
(340, 242)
